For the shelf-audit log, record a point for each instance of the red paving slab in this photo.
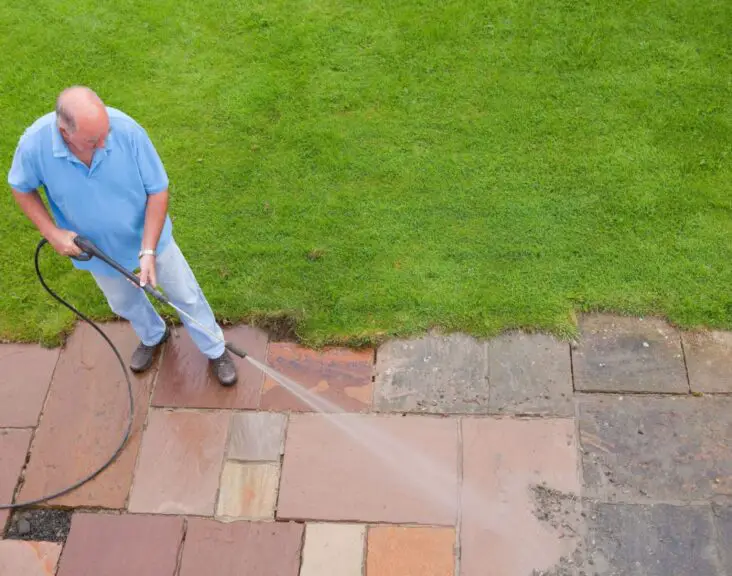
(180, 463)
(339, 376)
(122, 545)
(398, 551)
(241, 548)
(18, 558)
(502, 461)
(86, 414)
(13, 450)
(352, 467)
(25, 374)
(186, 380)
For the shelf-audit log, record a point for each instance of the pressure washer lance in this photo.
(89, 251)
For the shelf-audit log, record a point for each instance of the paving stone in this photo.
(241, 548)
(28, 558)
(435, 374)
(25, 374)
(723, 519)
(339, 376)
(180, 463)
(87, 411)
(530, 374)
(13, 450)
(619, 354)
(351, 467)
(397, 551)
(505, 463)
(121, 545)
(333, 550)
(653, 540)
(709, 361)
(187, 381)
(248, 491)
(637, 448)
(257, 436)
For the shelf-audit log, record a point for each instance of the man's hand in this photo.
(63, 242)
(147, 271)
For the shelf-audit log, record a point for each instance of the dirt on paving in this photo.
(565, 513)
(40, 525)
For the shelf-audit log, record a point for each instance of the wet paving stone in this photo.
(186, 379)
(339, 376)
(180, 463)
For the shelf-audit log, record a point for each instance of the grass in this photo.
(371, 168)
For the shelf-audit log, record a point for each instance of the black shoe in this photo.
(143, 357)
(225, 369)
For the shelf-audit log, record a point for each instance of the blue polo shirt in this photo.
(106, 202)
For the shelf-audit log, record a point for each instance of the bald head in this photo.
(78, 104)
(82, 118)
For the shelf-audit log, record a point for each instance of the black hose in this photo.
(130, 418)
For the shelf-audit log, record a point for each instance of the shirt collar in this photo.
(60, 149)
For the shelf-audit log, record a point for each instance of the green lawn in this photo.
(374, 168)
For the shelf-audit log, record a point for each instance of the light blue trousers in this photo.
(176, 279)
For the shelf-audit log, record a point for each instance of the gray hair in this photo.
(64, 116)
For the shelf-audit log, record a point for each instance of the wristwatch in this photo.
(146, 253)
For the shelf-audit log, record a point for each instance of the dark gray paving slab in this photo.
(636, 448)
(434, 374)
(709, 361)
(619, 354)
(723, 520)
(651, 540)
(530, 374)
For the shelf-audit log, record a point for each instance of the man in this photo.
(104, 179)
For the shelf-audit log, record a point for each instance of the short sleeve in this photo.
(152, 171)
(23, 175)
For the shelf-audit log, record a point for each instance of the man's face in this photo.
(90, 134)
